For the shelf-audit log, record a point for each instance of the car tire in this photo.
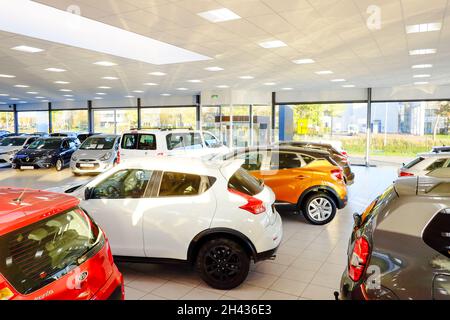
(59, 165)
(223, 263)
(319, 208)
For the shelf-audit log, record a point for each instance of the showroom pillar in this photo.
(274, 118)
(251, 126)
(139, 119)
(50, 124)
(369, 125)
(198, 113)
(16, 119)
(90, 117)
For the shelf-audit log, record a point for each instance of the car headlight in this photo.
(106, 156)
(50, 156)
(74, 158)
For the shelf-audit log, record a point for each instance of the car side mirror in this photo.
(357, 220)
(88, 193)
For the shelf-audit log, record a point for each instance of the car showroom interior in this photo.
(225, 150)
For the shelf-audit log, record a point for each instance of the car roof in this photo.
(104, 135)
(33, 206)
(434, 154)
(312, 152)
(134, 131)
(305, 143)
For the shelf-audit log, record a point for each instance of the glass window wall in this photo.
(114, 121)
(70, 121)
(7, 121)
(33, 121)
(184, 117)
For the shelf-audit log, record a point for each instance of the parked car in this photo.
(46, 153)
(301, 177)
(399, 248)
(96, 155)
(213, 215)
(440, 149)
(424, 164)
(66, 135)
(339, 158)
(4, 133)
(167, 142)
(11, 145)
(51, 250)
(83, 136)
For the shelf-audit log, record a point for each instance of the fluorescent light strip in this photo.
(270, 83)
(324, 72)
(338, 80)
(110, 78)
(418, 52)
(158, 74)
(348, 86)
(59, 70)
(165, 94)
(247, 77)
(21, 86)
(104, 87)
(287, 89)
(61, 82)
(4, 95)
(424, 27)
(182, 89)
(105, 63)
(214, 69)
(272, 44)
(222, 86)
(195, 81)
(150, 84)
(421, 75)
(303, 61)
(27, 49)
(219, 15)
(28, 21)
(6, 75)
(420, 83)
(422, 66)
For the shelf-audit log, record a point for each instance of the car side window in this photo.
(65, 145)
(72, 144)
(285, 160)
(124, 184)
(129, 141)
(439, 163)
(211, 141)
(175, 184)
(437, 233)
(252, 161)
(147, 142)
(307, 159)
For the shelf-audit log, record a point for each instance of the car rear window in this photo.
(437, 233)
(414, 162)
(139, 142)
(244, 182)
(37, 255)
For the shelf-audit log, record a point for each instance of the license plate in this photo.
(86, 165)
(27, 167)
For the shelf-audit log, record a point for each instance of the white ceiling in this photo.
(332, 32)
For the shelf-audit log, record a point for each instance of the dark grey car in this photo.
(400, 247)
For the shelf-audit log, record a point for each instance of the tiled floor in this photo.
(309, 262)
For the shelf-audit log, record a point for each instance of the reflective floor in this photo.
(309, 262)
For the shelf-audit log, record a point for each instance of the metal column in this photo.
(252, 136)
(369, 125)
(16, 119)
(139, 116)
(198, 114)
(50, 122)
(90, 117)
(274, 118)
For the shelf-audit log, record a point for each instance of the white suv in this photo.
(168, 142)
(214, 215)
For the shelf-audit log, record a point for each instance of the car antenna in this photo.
(19, 199)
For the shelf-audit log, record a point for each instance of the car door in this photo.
(116, 203)
(178, 208)
(65, 151)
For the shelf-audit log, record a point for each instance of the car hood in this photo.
(90, 154)
(9, 149)
(34, 153)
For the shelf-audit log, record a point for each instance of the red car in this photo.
(50, 249)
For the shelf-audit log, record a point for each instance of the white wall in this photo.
(347, 94)
(236, 97)
(411, 93)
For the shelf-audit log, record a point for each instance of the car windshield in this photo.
(37, 255)
(45, 144)
(93, 143)
(12, 142)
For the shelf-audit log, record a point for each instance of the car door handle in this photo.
(301, 177)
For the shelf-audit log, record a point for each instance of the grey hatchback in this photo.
(400, 246)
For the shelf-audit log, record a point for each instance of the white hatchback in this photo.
(424, 164)
(213, 215)
(168, 142)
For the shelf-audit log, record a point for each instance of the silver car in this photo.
(97, 154)
(400, 246)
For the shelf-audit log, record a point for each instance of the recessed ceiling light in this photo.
(110, 78)
(4, 95)
(338, 80)
(324, 72)
(424, 27)
(68, 95)
(219, 15)
(98, 98)
(150, 84)
(348, 86)
(158, 74)
(303, 61)
(55, 70)
(421, 83)
(422, 66)
(269, 83)
(65, 90)
(101, 93)
(213, 69)
(32, 92)
(272, 44)
(39, 97)
(287, 89)
(21, 86)
(138, 91)
(422, 52)
(114, 41)
(104, 87)
(14, 99)
(247, 77)
(166, 94)
(22, 102)
(70, 99)
(7, 76)
(222, 86)
(105, 63)
(129, 97)
(182, 89)
(61, 82)
(421, 76)
(2, 102)
(27, 49)
(195, 81)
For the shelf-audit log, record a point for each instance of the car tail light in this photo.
(5, 292)
(405, 174)
(358, 259)
(337, 174)
(344, 153)
(253, 205)
(118, 157)
(342, 158)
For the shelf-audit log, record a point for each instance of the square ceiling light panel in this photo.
(219, 15)
(24, 17)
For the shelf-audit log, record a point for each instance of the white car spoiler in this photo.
(228, 168)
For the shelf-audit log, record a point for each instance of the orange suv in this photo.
(306, 178)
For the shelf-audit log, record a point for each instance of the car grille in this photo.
(95, 166)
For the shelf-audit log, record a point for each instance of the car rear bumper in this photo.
(113, 289)
(268, 245)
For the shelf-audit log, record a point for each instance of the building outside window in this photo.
(115, 121)
(183, 117)
(70, 121)
(33, 121)
(7, 121)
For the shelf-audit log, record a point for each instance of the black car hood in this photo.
(33, 153)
